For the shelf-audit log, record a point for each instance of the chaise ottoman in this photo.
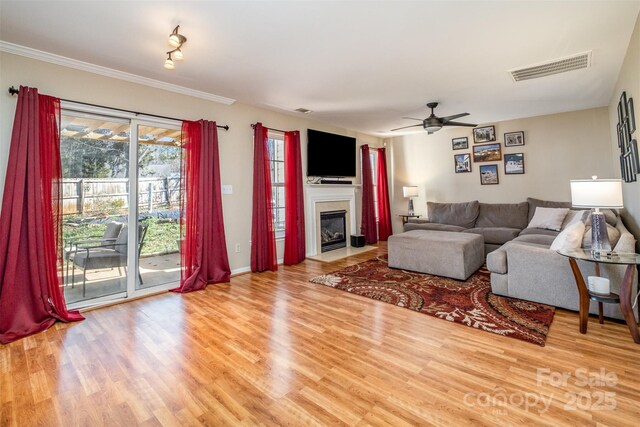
(441, 253)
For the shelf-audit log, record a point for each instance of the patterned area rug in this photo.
(470, 303)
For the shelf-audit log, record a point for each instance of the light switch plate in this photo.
(227, 189)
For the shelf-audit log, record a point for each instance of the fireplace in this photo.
(333, 230)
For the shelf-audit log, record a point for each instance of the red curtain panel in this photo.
(368, 226)
(204, 248)
(294, 239)
(384, 212)
(263, 240)
(31, 298)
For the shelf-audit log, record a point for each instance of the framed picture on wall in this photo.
(513, 163)
(635, 157)
(462, 162)
(619, 135)
(489, 174)
(512, 139)
(460, 143)
(623, 106)
(631, 118)
(487, 153)
(484, 134)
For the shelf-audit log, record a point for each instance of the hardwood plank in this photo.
(274, 349)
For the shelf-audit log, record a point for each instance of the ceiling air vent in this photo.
(303, 110)
(570, 63)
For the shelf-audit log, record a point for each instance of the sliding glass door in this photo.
(159, 197)
(121, 184)
(95, 181)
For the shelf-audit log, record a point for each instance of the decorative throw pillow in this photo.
(574, 216)
(570, 237)
(549, 218)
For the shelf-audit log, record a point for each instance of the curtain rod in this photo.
(14, 91)
(253, 125)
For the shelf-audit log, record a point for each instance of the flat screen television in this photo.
(330, 155)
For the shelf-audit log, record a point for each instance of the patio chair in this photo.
(107, 239)
(103, 256)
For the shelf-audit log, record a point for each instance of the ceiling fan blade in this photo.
(412, 126)
(455, 116)
(459, 124)
(412, 118)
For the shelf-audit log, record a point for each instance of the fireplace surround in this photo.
(326, 197)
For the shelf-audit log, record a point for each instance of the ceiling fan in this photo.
(433, 124)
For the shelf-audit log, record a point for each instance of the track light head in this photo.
(168, 64)
(176, 39)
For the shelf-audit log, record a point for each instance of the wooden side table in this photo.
(625, 299)
(405, 218)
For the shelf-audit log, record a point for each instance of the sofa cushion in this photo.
(534, 203)
(548, 218)
(538, 239)
(511, 215)
(460, 214)
(539, 231)
(497, 260)
(426, 225)
(495, 235)
(570, 237)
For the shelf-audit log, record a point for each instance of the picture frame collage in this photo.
(485, 149)
(629, 158)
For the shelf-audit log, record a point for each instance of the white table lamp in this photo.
(408, 192)
(597, 193)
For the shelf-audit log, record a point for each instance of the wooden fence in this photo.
(108, 195)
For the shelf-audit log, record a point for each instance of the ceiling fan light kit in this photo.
(176, 40)
(433, 123)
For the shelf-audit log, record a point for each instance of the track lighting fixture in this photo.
(176, 40)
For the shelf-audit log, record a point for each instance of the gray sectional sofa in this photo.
(520, 260)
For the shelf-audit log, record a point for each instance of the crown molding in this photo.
(108, 72)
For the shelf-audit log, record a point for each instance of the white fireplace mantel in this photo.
(316, 193)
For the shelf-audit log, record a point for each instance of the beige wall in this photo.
(236, 146)
(557, 148)
(628, 81)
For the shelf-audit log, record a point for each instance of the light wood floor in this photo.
(274, 349)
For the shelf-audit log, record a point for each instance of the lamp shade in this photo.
(596, 193)
(410, 191)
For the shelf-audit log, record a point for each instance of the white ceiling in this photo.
(358, 65)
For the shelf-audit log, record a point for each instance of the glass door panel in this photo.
(159, 195)
(95, 188)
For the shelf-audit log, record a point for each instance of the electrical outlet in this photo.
(227, 189)
(237, 248)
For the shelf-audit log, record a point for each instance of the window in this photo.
(275, 145)
(373, 160)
